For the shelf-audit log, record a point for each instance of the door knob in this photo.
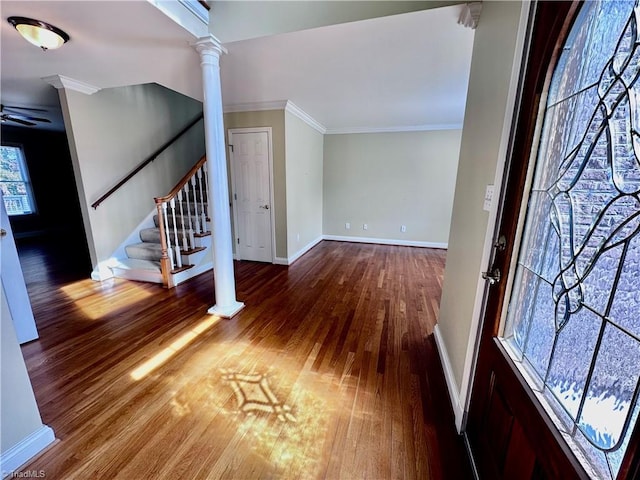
(3, 232)
(501, 244)
(266, 207)
(493, 276)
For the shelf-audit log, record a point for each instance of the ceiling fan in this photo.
(14, 114)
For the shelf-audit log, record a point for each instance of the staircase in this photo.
(178, 239)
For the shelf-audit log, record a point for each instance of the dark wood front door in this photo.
(512, 432)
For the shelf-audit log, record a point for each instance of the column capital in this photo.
(209, 45)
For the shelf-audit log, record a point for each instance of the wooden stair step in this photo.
(181, 269)
(193, 250)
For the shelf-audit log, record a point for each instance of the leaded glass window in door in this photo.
(574, 318)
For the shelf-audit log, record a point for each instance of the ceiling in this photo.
(408, 70)
(402, 71)
(112, 44)
(234, 20)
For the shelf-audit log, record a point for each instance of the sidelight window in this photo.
(574, 320)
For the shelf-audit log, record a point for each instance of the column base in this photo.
(226, 311)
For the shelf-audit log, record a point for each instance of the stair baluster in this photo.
(190, 221)
(185, 245)
(195, 204)
(167, 233)
(174, 243)
(206, 189)
(178, 257)
(203, 210)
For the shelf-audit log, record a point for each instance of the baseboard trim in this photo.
(298, 254)
(452, 386)
(304, 249)
(102, 271)
(26, 449)
(339, 238)
(387, 241)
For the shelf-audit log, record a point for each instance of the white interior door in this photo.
(252, 193)
(12, 282)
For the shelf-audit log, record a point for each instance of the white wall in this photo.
(391, 179)
(482, 151)
(110, 132)
(304, 173)
(22, 434)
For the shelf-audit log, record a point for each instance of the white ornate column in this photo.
(226, 304)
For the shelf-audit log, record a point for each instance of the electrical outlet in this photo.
(403, 228)
(347, 226)
(365, 226)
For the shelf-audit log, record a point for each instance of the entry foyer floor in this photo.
(330, 372)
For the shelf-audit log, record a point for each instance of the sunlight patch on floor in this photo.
(96, 300)
(279, 413)
(165, 354)
(254, 394)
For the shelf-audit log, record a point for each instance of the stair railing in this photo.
(146, 161)
(180, 226)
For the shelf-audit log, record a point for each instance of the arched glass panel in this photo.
(574, 318)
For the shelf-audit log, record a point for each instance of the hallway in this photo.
(331, 371)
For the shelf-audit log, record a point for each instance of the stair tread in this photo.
(193, 250)
(146, 246)
(152, 234)
(136, 264)
(144, 251)
(182, 268)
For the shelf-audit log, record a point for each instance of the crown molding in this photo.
(400, 128)
(286, 105)
(470, 15)
(255, 106)
(295, 110)
(60, 81)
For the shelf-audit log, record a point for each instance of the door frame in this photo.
(506, 144)
(272, 216)
(553, 21)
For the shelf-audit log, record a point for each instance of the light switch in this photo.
(488, 198)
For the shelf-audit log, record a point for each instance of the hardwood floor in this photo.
(331, 371)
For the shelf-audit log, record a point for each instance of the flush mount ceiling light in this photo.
(38, 33)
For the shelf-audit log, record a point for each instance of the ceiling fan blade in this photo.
(18, 120)
(8, 107)
(35, 119)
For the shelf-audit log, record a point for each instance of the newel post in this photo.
(165, 261)
(226, 304)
